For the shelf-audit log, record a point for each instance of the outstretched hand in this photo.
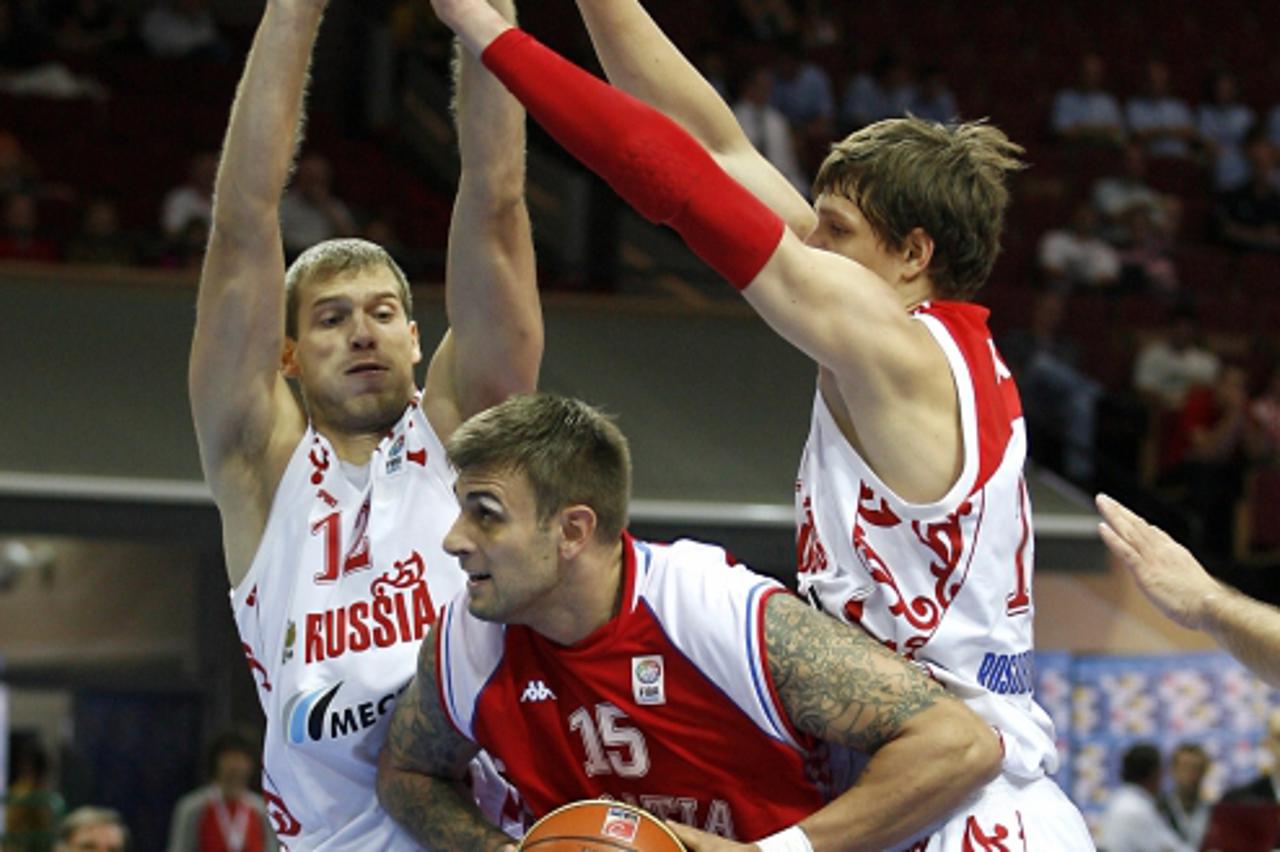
(701, 841)
(1165, 570)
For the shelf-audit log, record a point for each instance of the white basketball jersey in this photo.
(344, 586)
(947, 584)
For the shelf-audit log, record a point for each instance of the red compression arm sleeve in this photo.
(647, 158)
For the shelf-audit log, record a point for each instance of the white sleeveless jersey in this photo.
(947, 584)
(344, 586)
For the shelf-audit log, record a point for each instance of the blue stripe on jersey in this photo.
(762, 689)
(446, 670)
(648, 554)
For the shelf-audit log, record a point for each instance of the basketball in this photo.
(598, 825)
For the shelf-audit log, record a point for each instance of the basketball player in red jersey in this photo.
(334, 502)
(913, 517)
(592, 665)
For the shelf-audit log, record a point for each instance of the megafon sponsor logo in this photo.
(314, 715)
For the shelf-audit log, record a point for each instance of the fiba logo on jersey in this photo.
(648, 682)
(395, 458)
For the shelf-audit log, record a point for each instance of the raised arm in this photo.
(834, 310)
(245, 416)
(928, 750)
(422, 764)
(1180, 587)
(639, 59)
(494, 346)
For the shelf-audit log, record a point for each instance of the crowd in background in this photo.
(1149, 198)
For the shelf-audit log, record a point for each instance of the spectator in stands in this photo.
(193, 199)
(886, 91)
(20, 238)
(1273, 126)
(934, 100)
(310, 212)
(1172, 363)
(1159, 120)
(100, 240)
(1263, 788)
(89, 26)
(1184, 806)
(182, 29)
(1223, 122)
(32, 807)
(1146, 256)
(90, 829)
(1248, 217)
(1058, 399)
(767, 20)
(802, 91)
(1077, 256)
(18, 172)
(1207, 453)
(224, 814)
(1131, 822)
(1087, 113)
(768, 129)
(1116, 196)
(1264, 419)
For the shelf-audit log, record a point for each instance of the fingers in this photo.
(1124, 523)
(1117, 545)
(688, 836)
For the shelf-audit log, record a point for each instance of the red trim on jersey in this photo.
(995, 396)
(806, 742)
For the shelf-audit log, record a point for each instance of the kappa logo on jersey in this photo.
(648, 680)
(313, 716)
(537, 690)
(621, 824)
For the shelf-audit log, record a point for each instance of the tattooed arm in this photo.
(422, 764)
(929, 751)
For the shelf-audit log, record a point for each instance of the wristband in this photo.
(791, 839)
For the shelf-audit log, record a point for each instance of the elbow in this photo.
(977, 751)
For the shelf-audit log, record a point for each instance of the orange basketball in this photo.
(598, 825)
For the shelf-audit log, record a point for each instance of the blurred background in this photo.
(1137, 300)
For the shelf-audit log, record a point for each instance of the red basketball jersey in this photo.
(668, 706)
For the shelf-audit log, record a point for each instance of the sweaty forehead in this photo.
(839, 206)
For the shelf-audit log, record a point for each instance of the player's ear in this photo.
(417, 341)
(577, 527)
(289, 359)
(917, 253)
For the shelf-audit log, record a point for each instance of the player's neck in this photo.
(353, 448)
(917, 292)
(589, 597)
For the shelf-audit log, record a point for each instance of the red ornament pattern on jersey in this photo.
(978, 840)
(408, 573)
(284, 823)
(256, 667)
(811, 556)
(320, 462)
(943, 540)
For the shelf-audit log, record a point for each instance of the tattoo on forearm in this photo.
(423, 763)
(836, 682)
